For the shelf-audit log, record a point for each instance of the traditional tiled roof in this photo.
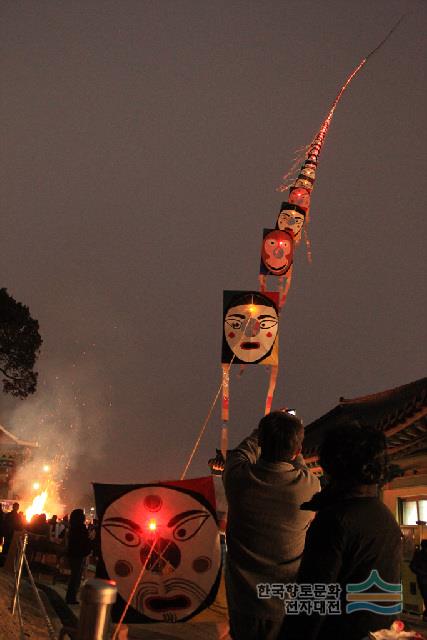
(15, 440)
(401, 413)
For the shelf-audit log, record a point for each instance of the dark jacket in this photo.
(419, 565)
(79, 545)
(351, 535)
(12, 522)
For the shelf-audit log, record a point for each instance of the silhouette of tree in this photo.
(20, 343)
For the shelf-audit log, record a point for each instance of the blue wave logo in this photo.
(386, 600)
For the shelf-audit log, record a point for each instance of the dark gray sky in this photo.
(142, 142)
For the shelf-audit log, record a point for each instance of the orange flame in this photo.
(37, 505)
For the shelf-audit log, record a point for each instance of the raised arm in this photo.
(247, 452)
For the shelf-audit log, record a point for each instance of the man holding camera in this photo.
(266, 481)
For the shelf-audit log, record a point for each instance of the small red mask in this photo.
(277, 252)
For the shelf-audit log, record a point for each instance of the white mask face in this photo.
(185, 562)
(250, 331)
(290, 220)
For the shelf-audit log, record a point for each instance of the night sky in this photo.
(141, 146)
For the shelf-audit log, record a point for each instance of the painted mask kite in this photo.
(300, 197)
(276, 252)
(174, 532)
(250, 336)
(291, 218)
(251, 322)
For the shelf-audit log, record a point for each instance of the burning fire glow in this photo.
(37, 506)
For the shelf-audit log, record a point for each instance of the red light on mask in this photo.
(152, 525)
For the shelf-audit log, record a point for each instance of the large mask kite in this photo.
(172, 529)
(251, 322)
(250, 336)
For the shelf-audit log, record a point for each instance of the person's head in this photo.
(424, 545)
(77, 518)
(280, 436)
(354, 455)
(15, 506)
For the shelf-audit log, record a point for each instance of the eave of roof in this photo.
(394, 411)
(22, 443)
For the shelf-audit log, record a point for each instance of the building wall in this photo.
(406, 487)
(12, 455)
(412, 486)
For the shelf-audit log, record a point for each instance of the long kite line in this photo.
(294, 214)
(325, 125)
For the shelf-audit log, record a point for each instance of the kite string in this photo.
(211, 408)
(132, 593)
(324, 128)
(387, 36)
(321, 134)
(202, 430)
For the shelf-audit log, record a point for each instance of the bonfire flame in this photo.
(37, 505)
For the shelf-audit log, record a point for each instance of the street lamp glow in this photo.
(46, 468)
(36, 486)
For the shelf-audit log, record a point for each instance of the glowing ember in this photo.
(37, 506)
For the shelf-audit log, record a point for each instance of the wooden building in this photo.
(13, 453)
